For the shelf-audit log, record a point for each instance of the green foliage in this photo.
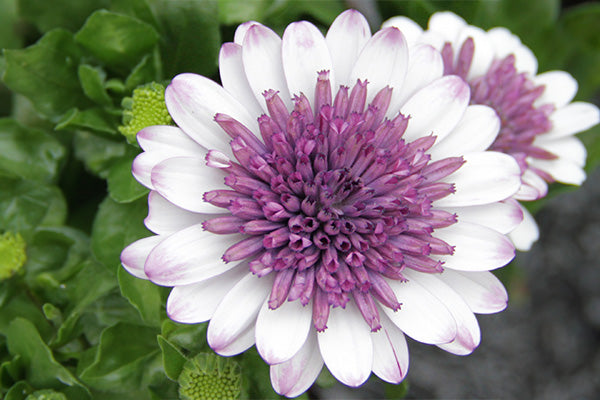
(73, 323)
(46, 73)
(117, 40)
(29, 153)
(116, 226)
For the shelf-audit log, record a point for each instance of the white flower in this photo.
(539, 120)
(323, 228)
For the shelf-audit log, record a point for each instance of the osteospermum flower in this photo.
(329, 199)
(538, 119)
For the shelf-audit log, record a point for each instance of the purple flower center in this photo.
(512, 95)
(333, 200)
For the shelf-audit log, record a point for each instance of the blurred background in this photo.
(69, 210)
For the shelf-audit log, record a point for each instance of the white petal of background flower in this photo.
(526, 234)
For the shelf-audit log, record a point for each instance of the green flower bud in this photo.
(145, 108)
(210, 377)
(46, 394)
(12, 254)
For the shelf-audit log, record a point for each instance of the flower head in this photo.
(538, 119)
(324, 202)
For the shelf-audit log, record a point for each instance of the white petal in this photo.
(237, 311)
(475, 132)
(560, 88)
(184, 180)
(526, 234)
(134, 256)
(561, 170)
(239, 344)
(482, 291)
(425, 66)
(572, 118)
(506, 43)
(295, 376)
(422, 316)
(383, 62)
(477, 248)
(165, 218)
(189, 256)
(261, 54)
(568, 148)
(468, 335)
(409, 28)
(169, 140)
(346, 346)
(304, 53)
(390, 352)
(346, 38)
(501, 216)
(533, 187)
(437, 108)
(280, 333)
(233, 77)
(195, 303)
(446, 23)
(241, 30)
(483, 54)
(160, 143)
(484, 178)
(193, 101)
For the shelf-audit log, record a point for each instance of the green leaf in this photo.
(11, 371)
(581, 36)
(98, 153)
(23, 305)
(117, 40)
(92, 82)
(26, 205)
(143, 295)
(68, 14)
(116, 226)
(134, 8)
(42, 370)
(29, 153)
(189, 337)
(9, 35)
(122, 186)
(173, 358)
(147, 70)
(94, 119)
(46, 73)
(190, 36)
(91, 283)
(234, 12)
(121, 357)
(19, 391)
